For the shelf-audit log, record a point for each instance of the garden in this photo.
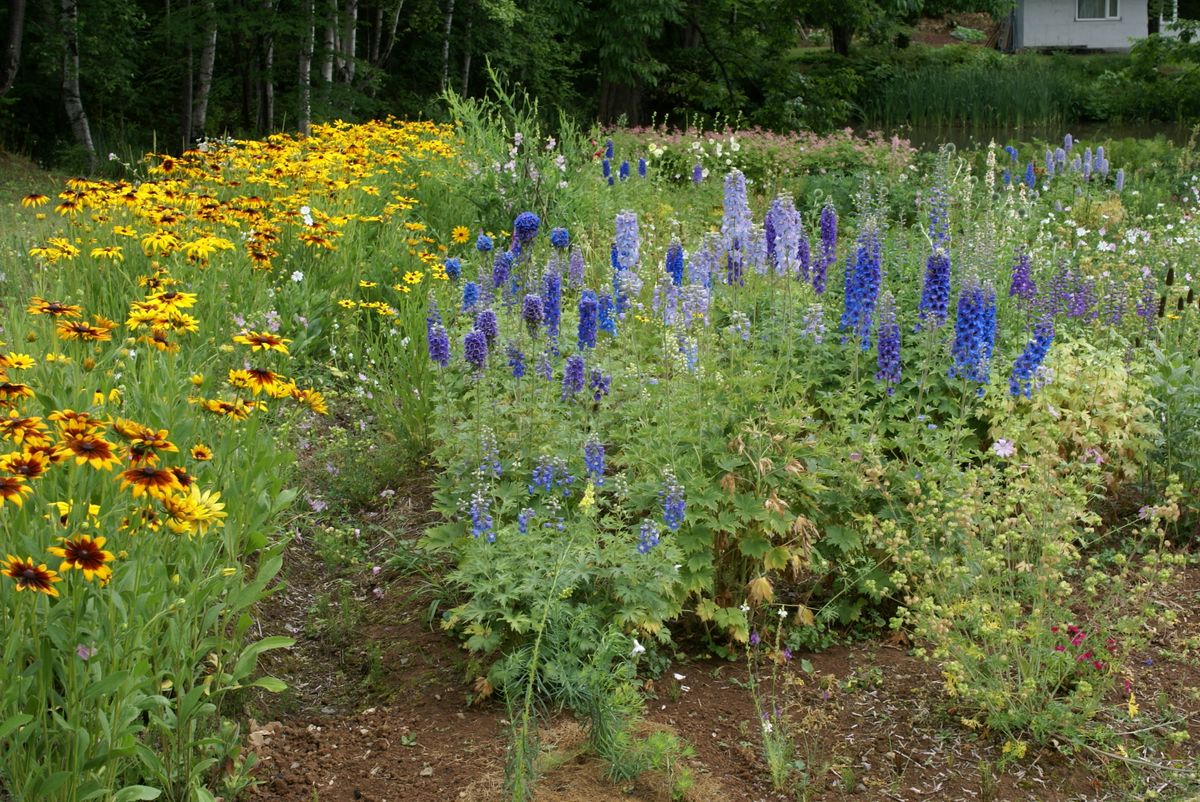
(496, 459)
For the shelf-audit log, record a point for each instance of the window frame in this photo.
(1112, 11)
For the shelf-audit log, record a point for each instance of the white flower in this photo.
(297, 276)
(1004, 448)
(679, 677)
(306, 214)
(637, 648)
(782, 612)
(745, 608)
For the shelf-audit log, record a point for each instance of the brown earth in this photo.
(379, 710)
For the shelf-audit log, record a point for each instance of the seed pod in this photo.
(1179, 306)
(1170, 276)
(1162, 305)
(1191, 295)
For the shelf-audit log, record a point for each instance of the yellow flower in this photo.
(460, 234)
(366, 284)
(109, 252)
(413, 277)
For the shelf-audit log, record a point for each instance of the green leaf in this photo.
(13, 723)
(133, 793)
(249, 656)
(269, 684)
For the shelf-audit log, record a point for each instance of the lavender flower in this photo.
(589, 308)
(572, 382)
(560, 238)
(531, 313)
(888, 359)
(1020, 382)
(439, 344)
(475, 349)
(593, 459)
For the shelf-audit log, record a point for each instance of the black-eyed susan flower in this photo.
(11, 392)
(70, 421)
(34, 199)
(313, 399)
(86, 554)
(262, 341)
(88, 448)
(174, 300)
(258, 380)
(143, 479)
(15, 361)
(201, 452)
(25, 464)
(460, 234)
(35, 578)
(101, 331)
(112, 252)
(40, 306)
(29, 431)
(14, 489)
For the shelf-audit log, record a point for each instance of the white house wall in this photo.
(1052, 23)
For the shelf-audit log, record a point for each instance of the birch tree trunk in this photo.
(306, 54)
(349, 41)
(10, 59)
(446, 45)
(208, 58)
(329, 47)
(466, 70)
(391, 37)
(72, 101)
(266, 101)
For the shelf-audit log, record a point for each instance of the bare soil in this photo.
(380, 710)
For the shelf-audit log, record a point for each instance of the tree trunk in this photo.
(349, 41)
(620, 100)
(10, 58)
(208, 59)
(266, 67)
(376, 35)
(72, 101)
(306, 53)
(329, 48)
(391, 37)
(467, 47)
(840, 35)
(446, 45)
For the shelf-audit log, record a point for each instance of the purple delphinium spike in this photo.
(888, 360)
(573, 373)
(674, 505)
(1026, 365)
(1119, 183)
(593, 459)
(675, 262)
(642, 168)
(647, 536)
(475, 349)
(935, 293)
(626, 242)
(863, 278)
(1030, 176)
(501, 268)
(1068, 143)
(483, 243)
(974, 332)
(560, 238)
(481, 517)
(606, 170)
(516, 360)
(532, 314)
(608, 149)
(470, 296)
(453, 268)
(525, 228)
(829, 231)
(1022, 285)
(486, 324)
(736, 227)
(589, 308)
(552, 300)
(600, 383)
(438, 341)
(623, 170)
(608, 314)
(697, 174)
(787, 232)
(575, 269)
(1049, 164)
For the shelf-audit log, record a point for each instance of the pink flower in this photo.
(1004, 448)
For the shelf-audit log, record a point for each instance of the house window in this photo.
(1097, 9)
